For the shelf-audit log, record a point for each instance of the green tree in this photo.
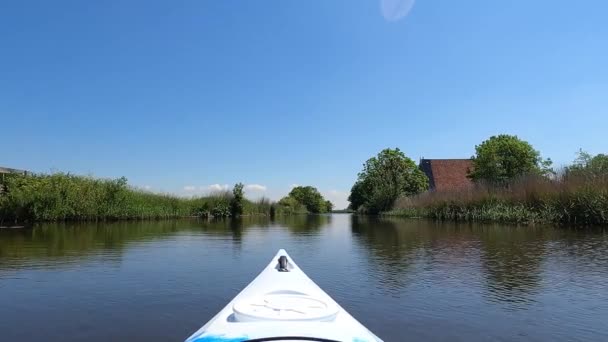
(505, 157)
(289, 205)
(384, 178)
(236, 204)
(589, 165)
(329, 206)
(357, 196)
(289, 201)
(599, 164)
(309, 197)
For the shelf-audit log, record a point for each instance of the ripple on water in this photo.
(159, 281)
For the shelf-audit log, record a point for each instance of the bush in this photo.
(236, 205)
(503, 158)
(311, 198)
(65, 197)
(384, 178)
(290, 206)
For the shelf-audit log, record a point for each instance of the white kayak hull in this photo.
(283, 305)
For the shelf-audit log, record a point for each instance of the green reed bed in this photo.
(66, 197)
(568, 199)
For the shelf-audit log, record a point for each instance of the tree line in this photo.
(305, 199)
(67, 197)
(499, 162)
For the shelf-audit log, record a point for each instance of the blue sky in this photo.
(186, 96)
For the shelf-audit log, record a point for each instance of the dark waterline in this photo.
(404, 279)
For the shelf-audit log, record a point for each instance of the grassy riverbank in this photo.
(580, 199)
(65, 197)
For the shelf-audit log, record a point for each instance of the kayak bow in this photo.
(283, 304)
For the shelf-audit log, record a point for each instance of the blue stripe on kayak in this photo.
(218, 338)
(223, 338)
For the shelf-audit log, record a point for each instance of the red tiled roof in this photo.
(447, 174)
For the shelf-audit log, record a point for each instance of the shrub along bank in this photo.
(570, 199)
(66, 197)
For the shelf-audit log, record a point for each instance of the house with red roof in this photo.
(447, 174)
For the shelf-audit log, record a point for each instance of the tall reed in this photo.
(66, 197)
(568, 198)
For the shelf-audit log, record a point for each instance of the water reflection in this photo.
(224, 227)
(56, 240)
(77, 240)
(506, 260)
(512, 261)
(48, 245)
(304, 224)
(238, 228)
(438, 281)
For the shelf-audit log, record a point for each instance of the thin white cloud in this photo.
(189, 188)
(393, 10)
(255, 187)
(215, 187)
(147, 187)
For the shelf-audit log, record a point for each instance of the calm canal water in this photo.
(407, 280)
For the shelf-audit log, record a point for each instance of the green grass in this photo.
(66, 197)
(580, 200)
